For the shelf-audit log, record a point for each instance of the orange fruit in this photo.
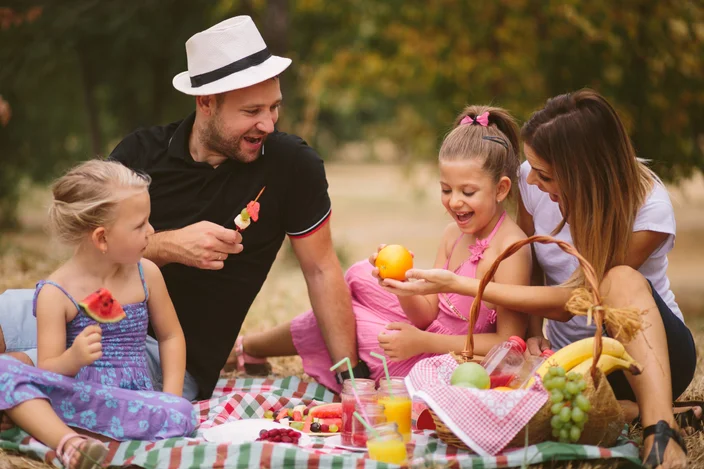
(393, 261)
(503, 388)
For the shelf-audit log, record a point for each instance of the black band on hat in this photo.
(234, 67)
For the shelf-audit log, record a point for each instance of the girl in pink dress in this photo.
(478, 164)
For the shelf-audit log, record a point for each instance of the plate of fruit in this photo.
(321, 420)
(249, 430)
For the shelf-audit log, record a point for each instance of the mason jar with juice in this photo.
(397, 404)
(385, 444)
(351, 427)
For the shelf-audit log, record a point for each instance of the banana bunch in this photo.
(578, 357)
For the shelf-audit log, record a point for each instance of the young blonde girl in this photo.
(478, 165)
(94, 377)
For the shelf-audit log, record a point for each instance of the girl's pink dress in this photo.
(374, 308)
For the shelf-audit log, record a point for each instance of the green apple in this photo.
(465, 385)
(471, 373)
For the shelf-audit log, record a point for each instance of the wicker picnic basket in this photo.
(606, 419)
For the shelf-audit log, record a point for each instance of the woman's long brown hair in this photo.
(602, 183)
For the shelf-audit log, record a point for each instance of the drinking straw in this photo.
(386, 370)
(366, 425)
(354, 383)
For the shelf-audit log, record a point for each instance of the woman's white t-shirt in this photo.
(655, 215)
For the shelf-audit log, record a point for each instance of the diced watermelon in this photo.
(283, 413)
(253, 210)
(306, 425)
(297, 416)
(327, 411)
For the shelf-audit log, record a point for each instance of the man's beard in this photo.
(213, 138)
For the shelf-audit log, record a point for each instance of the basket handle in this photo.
(589, 276)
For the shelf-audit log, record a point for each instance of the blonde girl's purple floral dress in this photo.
(113, 396)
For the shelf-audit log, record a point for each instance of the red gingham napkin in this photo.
(485, 420)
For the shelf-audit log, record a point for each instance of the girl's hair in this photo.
(602, 182)
(486, 132)
(87, 195)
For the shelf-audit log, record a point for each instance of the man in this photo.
(205, 170)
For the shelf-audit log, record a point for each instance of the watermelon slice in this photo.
(327, 411)
(329, 422)
(307, 423)
(101, 306)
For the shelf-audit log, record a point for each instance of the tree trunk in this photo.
(275, 32)
(88, 81)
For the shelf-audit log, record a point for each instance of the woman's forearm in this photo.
(442, 344)
(547, 302)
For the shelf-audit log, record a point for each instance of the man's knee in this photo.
(623, 282)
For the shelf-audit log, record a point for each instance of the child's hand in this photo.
(372, 261)
(87, 347)
(401, 342)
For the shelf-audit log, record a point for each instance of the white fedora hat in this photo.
(228, 56)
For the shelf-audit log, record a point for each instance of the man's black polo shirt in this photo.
(212, 305)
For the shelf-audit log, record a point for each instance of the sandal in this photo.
(92, 452)
(663, 434)
(249, 364)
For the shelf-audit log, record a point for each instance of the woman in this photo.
(582, 183)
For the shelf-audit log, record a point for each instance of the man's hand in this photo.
(87, 348)
(402, 341)
(204, 245)
(536, 345)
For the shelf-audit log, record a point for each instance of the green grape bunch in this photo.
(570, 407)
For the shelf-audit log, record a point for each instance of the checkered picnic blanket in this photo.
(250, 398)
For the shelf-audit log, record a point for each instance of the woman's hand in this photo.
(536, 345)
(423, 282)
(402, 341)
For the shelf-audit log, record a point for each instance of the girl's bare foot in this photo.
(80, 452)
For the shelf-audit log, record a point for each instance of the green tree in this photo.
(79, 76)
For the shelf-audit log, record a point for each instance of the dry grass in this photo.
(387, 209)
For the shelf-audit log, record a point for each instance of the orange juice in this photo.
(398, 410)
(388, 451)
(393, 395)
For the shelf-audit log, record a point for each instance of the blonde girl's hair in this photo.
(487, 133)
(86, 196)
(602, 182)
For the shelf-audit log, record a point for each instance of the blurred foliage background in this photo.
(76, 76)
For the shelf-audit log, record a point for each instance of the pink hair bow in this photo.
(482, 119)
